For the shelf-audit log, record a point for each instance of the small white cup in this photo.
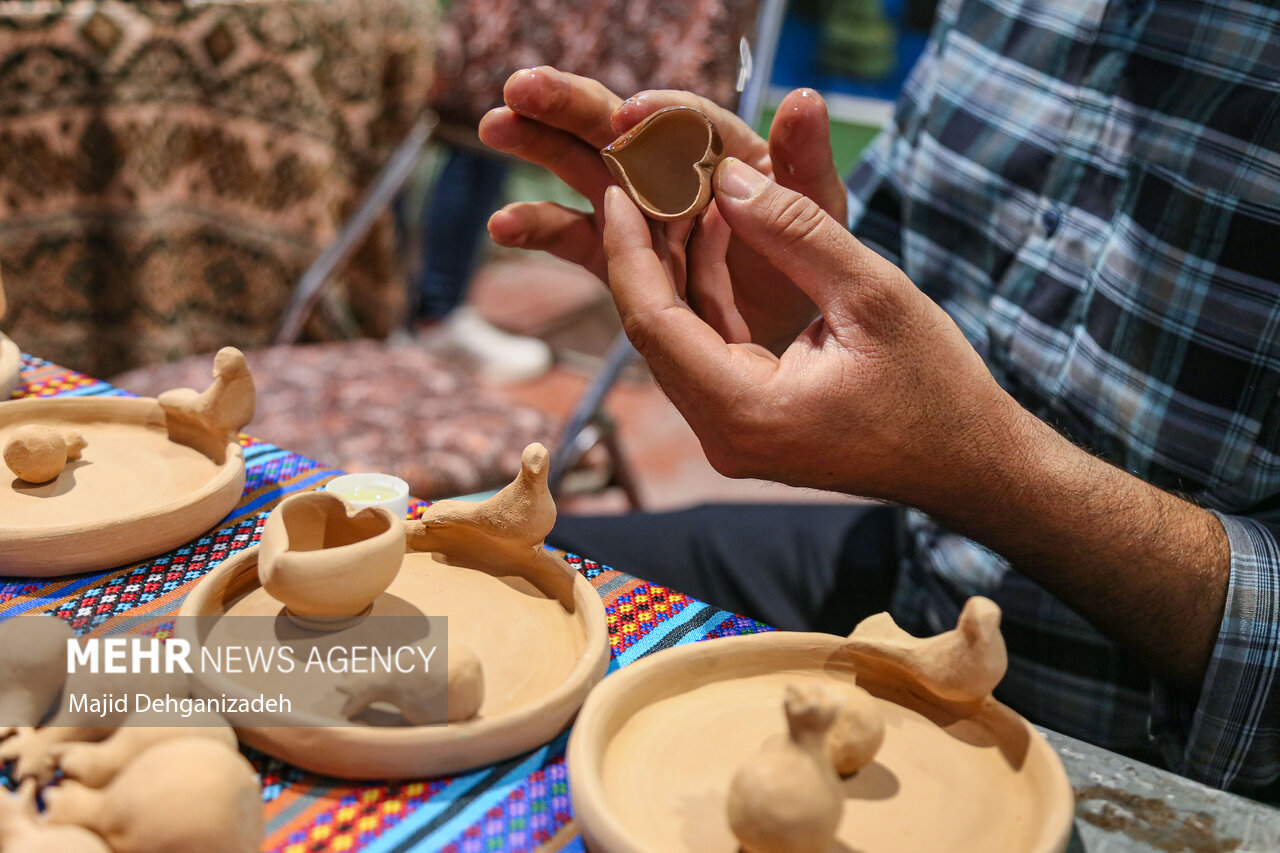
(362, 490)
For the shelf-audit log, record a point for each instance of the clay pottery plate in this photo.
(10, 364)
(657, 744)
(665, 162)
(134, 493)
(539, 661)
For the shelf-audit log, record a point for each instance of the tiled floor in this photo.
(536, 294)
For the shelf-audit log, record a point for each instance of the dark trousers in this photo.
(464, 195)
(793, 566)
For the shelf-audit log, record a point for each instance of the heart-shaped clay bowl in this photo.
(665, 162)
(325, 565)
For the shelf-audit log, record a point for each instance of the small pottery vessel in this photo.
(506, 532)
(788, 799)
(960, 667)
(325, 565)
(37, 453)
(94, 765)
(416, 696)
(189, 795)
(665, 162)
(857, 733)
(21, 830)
(33, 665)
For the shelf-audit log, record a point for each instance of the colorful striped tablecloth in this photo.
(518, 804)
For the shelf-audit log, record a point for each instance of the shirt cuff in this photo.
(1230, 738)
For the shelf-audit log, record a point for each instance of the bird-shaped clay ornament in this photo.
(190, 795)
(34, 751)
(857, 733)
(22, 831)
(38, 453)
(209, 419)
(960, 667)
(94, 765)
(416, 695)
(505, 533)
(33, 666)
(787, 799)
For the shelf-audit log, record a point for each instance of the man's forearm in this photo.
(1149, 569)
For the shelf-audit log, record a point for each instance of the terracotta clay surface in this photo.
(37, 453)
(665, 162)
(537, 629)
(958, 668)
(325, 564)
(786, 798)
(415, 697)
(189, 795)
(22, 830)
(657, 744)
(33, 666)
(95, 765)
(134, 493)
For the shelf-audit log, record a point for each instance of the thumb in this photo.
(797, 236)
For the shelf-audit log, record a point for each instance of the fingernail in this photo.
(737, 180)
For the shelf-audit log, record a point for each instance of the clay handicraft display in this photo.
(115, 768)
(527, 635)
(10, 357)
(102, 481)
(665, 162)
(790, 742)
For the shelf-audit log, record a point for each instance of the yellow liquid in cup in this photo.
(367, 494)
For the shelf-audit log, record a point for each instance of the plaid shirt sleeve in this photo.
(1089, 190)
(1231, 737)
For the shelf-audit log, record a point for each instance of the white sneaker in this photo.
(496, 356)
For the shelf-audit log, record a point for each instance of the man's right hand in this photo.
(561, 121)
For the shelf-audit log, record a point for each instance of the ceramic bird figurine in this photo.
(504, 533)
(857, 733)
(32, 668)
(94, 765)
(217, 413)
(787, 799)
(961, 666)
(416, 695)
(189, 795)
(33, 751)
(21, 830)
(38, 453)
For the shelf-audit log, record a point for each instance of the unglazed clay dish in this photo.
(665, 162)
(657, 746)
(535, 628)
(152, 474)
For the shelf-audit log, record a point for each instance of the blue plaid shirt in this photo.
(1091, 190)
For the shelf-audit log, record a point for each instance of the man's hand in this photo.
(560, 121)
(877, 396)
(882, 396)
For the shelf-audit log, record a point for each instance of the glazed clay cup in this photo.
(327, 566)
